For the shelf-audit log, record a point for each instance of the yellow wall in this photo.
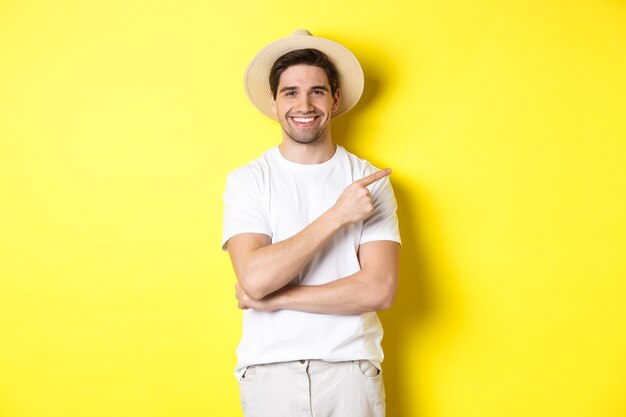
(504, 122)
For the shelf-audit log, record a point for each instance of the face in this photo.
(304, 103)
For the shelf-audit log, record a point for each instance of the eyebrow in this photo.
(293, 88)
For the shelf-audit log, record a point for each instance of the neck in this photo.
(310, 153)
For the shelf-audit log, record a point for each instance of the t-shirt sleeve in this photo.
(383, 224)
(244, 210)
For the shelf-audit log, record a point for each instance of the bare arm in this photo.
(371, 289)
(262, 268)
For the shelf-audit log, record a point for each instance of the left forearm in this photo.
(350, 295)
(355, 294)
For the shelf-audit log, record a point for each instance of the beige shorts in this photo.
(312, 388)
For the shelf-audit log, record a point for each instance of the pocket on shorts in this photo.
(249, 374)
(372, 382)
(369, 370)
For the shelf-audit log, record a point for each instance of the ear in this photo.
(273, 101)
(336, 100)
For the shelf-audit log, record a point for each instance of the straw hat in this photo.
(256, 80)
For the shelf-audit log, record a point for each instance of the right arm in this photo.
(262, 267)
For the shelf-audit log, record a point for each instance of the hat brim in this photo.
(256, 79)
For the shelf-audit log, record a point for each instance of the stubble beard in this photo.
(303, 137)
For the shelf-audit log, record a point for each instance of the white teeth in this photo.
(304, 119)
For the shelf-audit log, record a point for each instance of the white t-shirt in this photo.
(279, 198)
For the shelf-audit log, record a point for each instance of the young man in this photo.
(313, 237)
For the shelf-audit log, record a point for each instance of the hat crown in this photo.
(301, 32)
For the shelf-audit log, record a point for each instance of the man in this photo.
(313, 237)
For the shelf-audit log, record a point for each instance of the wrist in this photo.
(334, 218)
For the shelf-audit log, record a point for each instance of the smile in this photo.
(303, 120)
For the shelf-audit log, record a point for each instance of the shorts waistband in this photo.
(307, 363)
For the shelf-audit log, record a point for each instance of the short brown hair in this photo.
(309, 56)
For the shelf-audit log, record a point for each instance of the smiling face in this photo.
(304, 104)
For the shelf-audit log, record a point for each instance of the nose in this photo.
(304, 104)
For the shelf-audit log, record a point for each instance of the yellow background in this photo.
(504, 122)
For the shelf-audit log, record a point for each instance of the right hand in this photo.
(355, 202)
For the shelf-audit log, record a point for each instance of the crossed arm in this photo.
(263, 269)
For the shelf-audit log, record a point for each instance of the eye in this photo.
(319, 92)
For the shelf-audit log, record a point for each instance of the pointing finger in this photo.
(370, 179)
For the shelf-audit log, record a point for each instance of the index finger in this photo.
(370, 179)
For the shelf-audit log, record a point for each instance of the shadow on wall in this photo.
(414, 303)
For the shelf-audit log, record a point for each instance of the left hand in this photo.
(242, 297)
